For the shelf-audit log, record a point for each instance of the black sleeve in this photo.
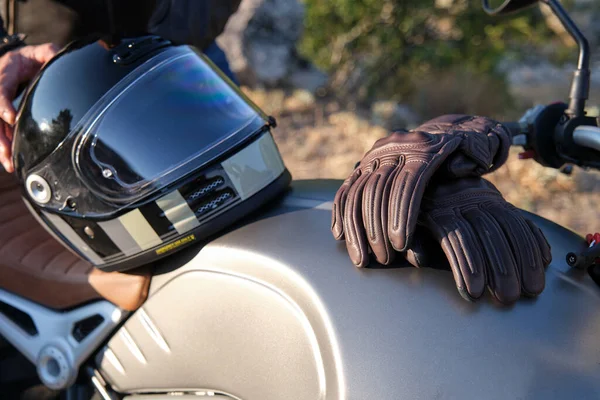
(9, 42)
(193, 22)
(3, 31)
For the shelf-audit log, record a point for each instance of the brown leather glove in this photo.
(378, 205)
(487, 241)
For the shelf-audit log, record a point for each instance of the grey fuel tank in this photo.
(274, 309)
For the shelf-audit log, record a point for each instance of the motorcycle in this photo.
(272, 308)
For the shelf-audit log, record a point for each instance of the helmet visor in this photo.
(159, 124)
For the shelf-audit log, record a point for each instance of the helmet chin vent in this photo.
(214, 202)
(38, 189)
(207, 195)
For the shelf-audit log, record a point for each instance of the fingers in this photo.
(40, 54)
(32, 58)
(503, 279)
(484, 149)
(405, 198)
(493, 147)
(460, 244)
(525, 249)
(16, 67)
(401, 193)
(9, 132)
(5, 149)
(406, 193)
(544, 246)
(375, 205)
(442, 123)
(356, 240)
(339, 204)
(478, 150)
(9, 81)
(426, 251)
(504, 143)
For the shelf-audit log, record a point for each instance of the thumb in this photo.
(425, 251)
(33, 58)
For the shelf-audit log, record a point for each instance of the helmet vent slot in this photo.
(206, 189)
(213, 202)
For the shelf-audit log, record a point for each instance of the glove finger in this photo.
(405, 195)
(525, 249)
(462, 248)
(417, 252)
(408, 187)
(356, 238)
(375, 212)
(544, 246)
(426, 251)
(504, 142)
(484, 149)
(476, 156)
(502, 277)
(339, 202)
(443, 123)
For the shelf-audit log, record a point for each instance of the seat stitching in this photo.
(8, 205)
(54, 258)
(36, 247)
(8, 221)
(71, 266)
(15, 238)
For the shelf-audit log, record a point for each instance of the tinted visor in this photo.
(159, 124)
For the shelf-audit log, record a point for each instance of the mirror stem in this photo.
(580, 86)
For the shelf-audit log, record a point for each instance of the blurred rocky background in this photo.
(339, 74)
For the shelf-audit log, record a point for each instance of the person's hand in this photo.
(486, 240)
(376, 208)
(16, 67)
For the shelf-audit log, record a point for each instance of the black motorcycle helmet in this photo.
(131, 148)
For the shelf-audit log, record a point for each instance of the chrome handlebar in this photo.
(587, 136)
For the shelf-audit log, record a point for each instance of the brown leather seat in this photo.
(36, 266)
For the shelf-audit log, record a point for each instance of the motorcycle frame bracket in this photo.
(52, 345)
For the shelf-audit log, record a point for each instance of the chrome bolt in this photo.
(89, 231)
(38, 189)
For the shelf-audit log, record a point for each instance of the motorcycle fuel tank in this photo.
(274, 309)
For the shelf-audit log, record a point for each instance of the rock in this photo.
(299, 101)
(304, 75)
(269, 63)
(260, 41)
(392, 115)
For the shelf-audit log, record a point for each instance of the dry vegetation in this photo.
(324, 140)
